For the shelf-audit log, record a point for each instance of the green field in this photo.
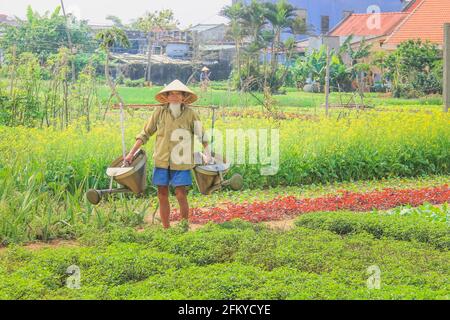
(47, 225)
(43, 183)
(292, 98)
(339, 196)
(239, 260)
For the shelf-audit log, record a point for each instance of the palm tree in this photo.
(254, 20)
(116, 21)
(281, 16)
(236, 31)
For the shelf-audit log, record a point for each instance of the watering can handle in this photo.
(126, 163)
(137, 151)
(212, 160)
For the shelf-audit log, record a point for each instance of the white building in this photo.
(209, 33)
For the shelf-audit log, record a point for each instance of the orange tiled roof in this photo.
(364, 24)
(425, 21)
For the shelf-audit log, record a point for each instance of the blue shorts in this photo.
(176, 178)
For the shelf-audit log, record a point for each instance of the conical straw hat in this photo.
(205, 69)
(176, 85)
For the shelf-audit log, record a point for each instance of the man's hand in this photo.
(129, 158)
(207, 158)
(206, 155)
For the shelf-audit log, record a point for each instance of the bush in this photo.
(415, 69)
(263, 264)
(134, 83)
(412, 227)
(312, 67)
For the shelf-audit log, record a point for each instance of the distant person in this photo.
(170, 121)
(204, 78)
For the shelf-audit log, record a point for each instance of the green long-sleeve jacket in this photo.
(171, 144)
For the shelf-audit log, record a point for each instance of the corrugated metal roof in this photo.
(142, 59)
(204, 27)
(214, 47)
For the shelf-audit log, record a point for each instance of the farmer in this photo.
(204, 78)
(172, 121)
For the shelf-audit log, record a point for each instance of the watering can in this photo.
(210, 177)
(133, 178)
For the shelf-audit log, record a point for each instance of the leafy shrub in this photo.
(415, 69)
(203, 247)
(134, 83)
(399, 225)
(248, 263)
(112, 265)
(312, 67)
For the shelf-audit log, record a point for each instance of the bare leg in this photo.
(164, 205)
(181, 194)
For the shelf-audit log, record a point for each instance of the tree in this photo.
(69, 40)
(414, 68)
(379, 59)
(117, 22)
(313, 66)
(44, 34)
(236, 31)
(358, 67)
(109, 38)
(151, 23)
(254, 19)
(263, 24)
(22, 105)
(299, 25)
(253, 22)
(281, 16)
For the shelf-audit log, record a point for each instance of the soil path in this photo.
(39, 245)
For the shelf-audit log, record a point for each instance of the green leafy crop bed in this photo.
(426, 224)
(325, 256)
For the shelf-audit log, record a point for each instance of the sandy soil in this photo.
(39, 245)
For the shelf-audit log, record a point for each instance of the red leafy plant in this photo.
(282, 208)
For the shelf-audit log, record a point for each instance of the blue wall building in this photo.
(177, 50)
(323, 15)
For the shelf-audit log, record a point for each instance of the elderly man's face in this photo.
(175, 97)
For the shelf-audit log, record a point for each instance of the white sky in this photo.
(185, 11)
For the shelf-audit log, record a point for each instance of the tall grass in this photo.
(370, 146)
